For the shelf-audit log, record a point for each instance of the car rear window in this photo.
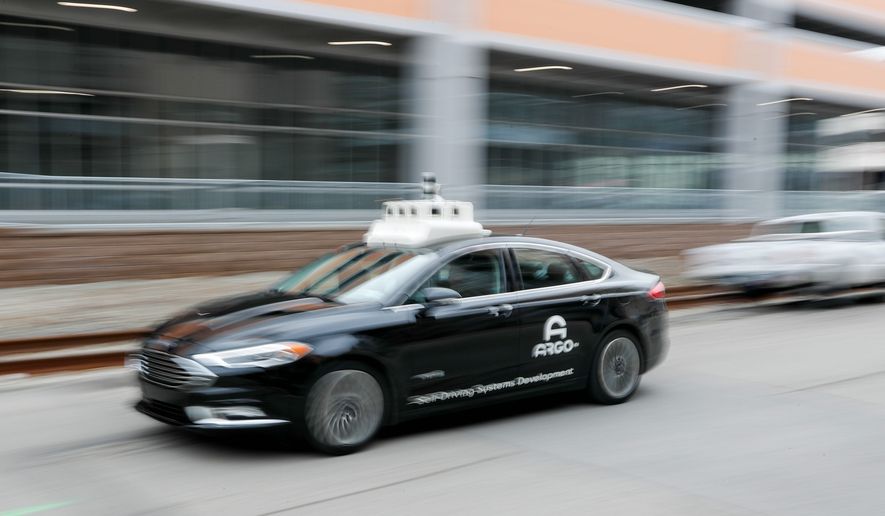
(540, 269)
(787, 228)
(593, 271)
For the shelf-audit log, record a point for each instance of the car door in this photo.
(461, 351)
(560, 314)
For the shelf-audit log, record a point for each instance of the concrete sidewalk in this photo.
(119, 305)
(113, 305)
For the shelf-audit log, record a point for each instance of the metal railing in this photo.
(59, 193)
(796, 203)
(57, 199)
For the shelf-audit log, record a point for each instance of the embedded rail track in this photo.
(69, 353)
(66, 353)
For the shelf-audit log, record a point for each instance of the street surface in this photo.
(777, 410)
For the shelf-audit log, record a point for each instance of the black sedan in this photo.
(374, 335)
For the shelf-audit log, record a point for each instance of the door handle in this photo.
(591, 300)
(501, 311)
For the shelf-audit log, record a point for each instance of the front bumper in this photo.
(219, 407)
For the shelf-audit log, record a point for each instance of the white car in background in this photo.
(822, 251)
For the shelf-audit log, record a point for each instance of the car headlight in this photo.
(265, 355)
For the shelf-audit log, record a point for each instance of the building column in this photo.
(756, 126)
(775, 12)
(448, 96)
(756, 145)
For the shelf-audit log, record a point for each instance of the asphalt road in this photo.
(756, 411)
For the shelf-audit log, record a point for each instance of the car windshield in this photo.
(357, 274)
(835, 224)
(786, 228)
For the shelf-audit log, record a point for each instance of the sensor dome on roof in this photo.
(424, 222)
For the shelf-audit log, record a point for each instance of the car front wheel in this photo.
(343, 410)
(615, 374)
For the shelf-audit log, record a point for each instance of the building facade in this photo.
(712, 96)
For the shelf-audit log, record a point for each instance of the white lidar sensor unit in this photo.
(424, 222)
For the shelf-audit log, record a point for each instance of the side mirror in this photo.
(439, 295)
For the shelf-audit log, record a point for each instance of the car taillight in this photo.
(658, 291)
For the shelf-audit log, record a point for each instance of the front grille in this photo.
(166, 412)
(173, 371)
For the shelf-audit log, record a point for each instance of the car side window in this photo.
(540, 269)
(812, 226)
(593, 271)
(473, 274)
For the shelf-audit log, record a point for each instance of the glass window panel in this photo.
(474, 274)
(164, 107)
(540, 269)
(540, 136)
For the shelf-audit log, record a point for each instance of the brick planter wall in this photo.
(59, 256)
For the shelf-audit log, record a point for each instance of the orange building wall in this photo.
(652, 34)
(817, 63)
(615, 27)
(406, 8)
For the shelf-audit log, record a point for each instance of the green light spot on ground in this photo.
(35, 509)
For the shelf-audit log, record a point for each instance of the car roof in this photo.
(454, 246)
(822, 216)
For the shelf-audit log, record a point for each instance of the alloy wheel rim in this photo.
(619, 367)
(345, 408)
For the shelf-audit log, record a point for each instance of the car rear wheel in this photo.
(343, 410)
(615, 374)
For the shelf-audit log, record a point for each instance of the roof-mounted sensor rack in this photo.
(419, 223)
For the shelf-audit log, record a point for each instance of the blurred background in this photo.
(191, 116)
(172, 139)
(684, 96)
(173, 105)
(293, 114)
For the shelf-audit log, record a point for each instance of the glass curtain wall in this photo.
(95, 102)
(835, 148)
(556, 137)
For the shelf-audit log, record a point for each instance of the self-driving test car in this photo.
(430, 313)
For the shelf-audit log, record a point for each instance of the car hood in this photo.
(263, 316)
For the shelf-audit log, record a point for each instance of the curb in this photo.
(104, 378)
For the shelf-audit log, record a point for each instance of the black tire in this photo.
(757, 293)
(344, 408)
(874, 298)
(614, 374)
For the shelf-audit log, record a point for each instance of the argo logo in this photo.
(554, 328)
